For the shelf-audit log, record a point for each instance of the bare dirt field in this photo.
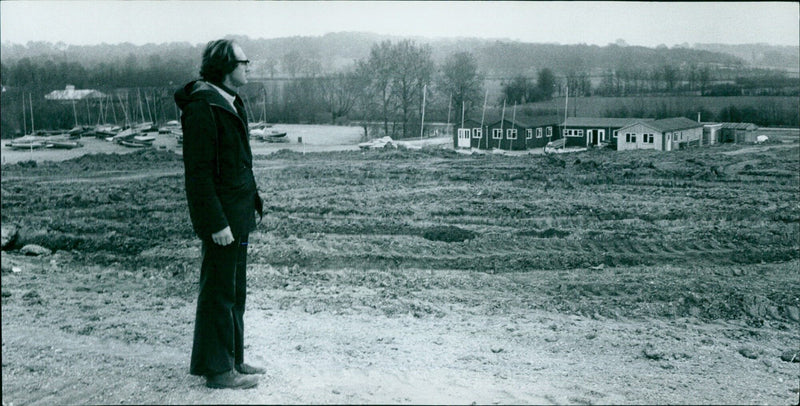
(419, 276)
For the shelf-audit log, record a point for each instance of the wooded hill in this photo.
(309, 56)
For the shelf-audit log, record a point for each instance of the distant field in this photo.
(599, 106)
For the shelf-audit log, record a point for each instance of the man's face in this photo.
(239, 75)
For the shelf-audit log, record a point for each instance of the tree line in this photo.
(397, 85)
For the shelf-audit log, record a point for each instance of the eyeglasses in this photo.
(244, 62)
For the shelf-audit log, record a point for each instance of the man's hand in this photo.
(223, 237)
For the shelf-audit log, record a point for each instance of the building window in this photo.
(477, 133)
(573, 133)
(649, 138)
(529, 133)
(549, 132)
(630, 137)
(511, 133)
(602, 134)
(615, 134)
(497, 134)
(538, 133)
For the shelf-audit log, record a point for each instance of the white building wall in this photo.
(639, 131)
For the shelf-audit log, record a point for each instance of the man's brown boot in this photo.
(231, 380)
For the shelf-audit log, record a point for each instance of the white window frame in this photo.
(497, 134)
(511, 133)
(549, 132)
(529, 133)
(477, 133)
(539, 132)
(616, 133)
(601, 134)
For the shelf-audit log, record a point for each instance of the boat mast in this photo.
(483, 116)
(449, 107)
(139, 101)
(422, 125)
(502, 122)
(30, 96)
(24, 118)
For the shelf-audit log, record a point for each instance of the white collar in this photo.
(227, 96)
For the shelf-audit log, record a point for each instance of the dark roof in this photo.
(530, 121)
(740, 126)
(674, 124)
(603, 121)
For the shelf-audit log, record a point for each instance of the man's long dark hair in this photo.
(218, 60)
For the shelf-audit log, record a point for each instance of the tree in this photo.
(413, 68)
(397, 75)
(546, 82)
(460, 79)
(339, 92)
(518, 91)
(378, 69)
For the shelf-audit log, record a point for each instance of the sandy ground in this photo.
(349, 304)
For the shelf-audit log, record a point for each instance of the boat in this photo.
(144, 138)
(275, 139)
(63, 144)
(25, 144)
(124, 134)
(135, 144)
(263, 134)
(557, 147)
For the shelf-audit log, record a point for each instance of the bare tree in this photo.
(340, 92)
(413, 70)
(460, 78)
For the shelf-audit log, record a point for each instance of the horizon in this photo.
(619, 42)
(647, 24)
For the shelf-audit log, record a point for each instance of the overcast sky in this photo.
(599, 23)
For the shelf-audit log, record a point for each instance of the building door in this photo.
(463, 138)
(602, 135)
(590, 138)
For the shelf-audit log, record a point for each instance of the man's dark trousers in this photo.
(219, 327)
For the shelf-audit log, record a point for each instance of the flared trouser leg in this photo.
(219, 320)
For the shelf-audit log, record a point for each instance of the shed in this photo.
(661, 135)
(711, 133)
(588, 131)
(738, 132)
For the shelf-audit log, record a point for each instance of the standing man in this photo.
(223, 200)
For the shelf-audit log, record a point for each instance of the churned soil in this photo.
(419, 276)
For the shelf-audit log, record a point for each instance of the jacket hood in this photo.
(200, 90)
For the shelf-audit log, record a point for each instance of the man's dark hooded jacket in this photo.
(220, 186)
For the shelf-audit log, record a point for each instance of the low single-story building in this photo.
(738, 132)
(662, 135)
(711, 133)
(521, 133)
(517, 133)
(589, 131)
(70, 94)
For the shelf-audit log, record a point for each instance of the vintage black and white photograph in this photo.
(400, 202)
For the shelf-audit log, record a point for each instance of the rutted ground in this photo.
(402, 276)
